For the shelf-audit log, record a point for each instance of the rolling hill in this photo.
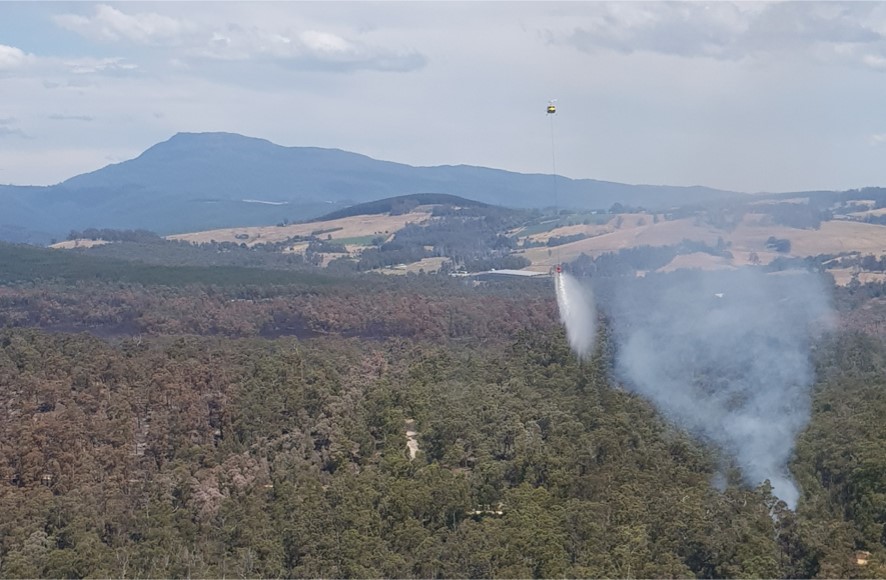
(434, 225)
(198, 181)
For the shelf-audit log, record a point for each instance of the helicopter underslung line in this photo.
(575, 300)
(551, 113)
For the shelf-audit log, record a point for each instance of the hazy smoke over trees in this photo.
(726, 356)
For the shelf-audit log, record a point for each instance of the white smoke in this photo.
(577, 312)
(726, 356)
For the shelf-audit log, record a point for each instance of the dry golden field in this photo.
(351, 227)
(843, 276)
(746, 242)
(427, 264)
(870, 212)
(635, 230)
(697, 261)
(82, 243)
(833, 237)
(747, 239)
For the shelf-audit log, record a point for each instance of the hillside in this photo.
(747, 238)
(400, 204)
(198, 181)
(332, 228)
(432, 237)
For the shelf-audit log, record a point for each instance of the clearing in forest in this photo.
(361, 226)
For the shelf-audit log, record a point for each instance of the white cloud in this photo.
(16, 62)
(322, 42)
(685, 29)
(60, 117)
(12, 132)
(201, 36)
(874, 61)
(724, 30)
(110, 24)
(309, 49)
(725, 94)
(83, 66)
(877, 139)
(14, 58)
(7, 128)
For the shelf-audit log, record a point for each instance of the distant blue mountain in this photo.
(197, 181)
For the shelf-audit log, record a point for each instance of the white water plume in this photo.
(576, 304)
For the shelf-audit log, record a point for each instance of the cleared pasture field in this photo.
(870, 212)
(426, 264)
(634, 231)
(344, 228)
(81, 243)
(843, 276)
(749, 237)
(833, 237)
(697, 261)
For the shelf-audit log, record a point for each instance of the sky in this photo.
(744, 96)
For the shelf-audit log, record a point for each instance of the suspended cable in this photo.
(552, 112)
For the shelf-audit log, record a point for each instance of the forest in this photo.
(203, 421)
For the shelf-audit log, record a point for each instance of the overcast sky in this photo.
(743, 96)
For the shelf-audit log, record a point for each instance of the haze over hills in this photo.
(196, 181)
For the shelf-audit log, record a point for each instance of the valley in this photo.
(432, 290)
(394, 370)
(737, 236)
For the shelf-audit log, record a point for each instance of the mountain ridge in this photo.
(195, 181)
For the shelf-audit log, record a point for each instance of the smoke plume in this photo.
(577, 312)
(726, 356)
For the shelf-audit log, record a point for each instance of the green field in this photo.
(567, 220)
(356, 240)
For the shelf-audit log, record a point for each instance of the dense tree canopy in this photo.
(260, 430)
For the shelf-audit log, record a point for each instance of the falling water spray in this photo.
(576, 304)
